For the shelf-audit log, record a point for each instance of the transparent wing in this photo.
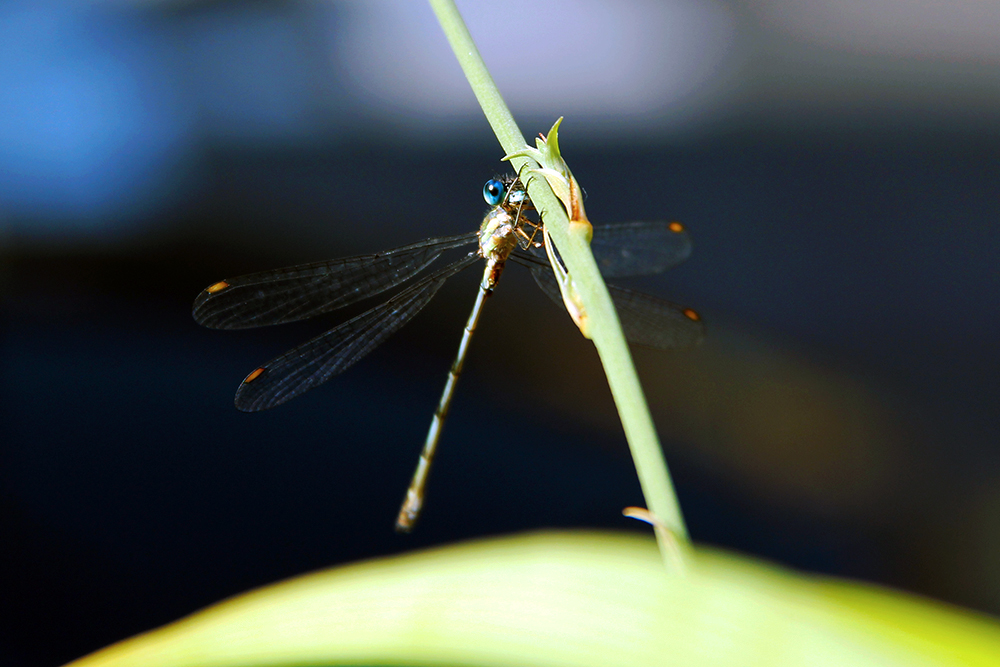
(635, 248)
(639, 248)
(646, 320)
(299, 292)
(319, 359)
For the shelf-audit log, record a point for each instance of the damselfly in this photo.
(300, 292)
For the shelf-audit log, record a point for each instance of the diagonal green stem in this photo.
(605, 329)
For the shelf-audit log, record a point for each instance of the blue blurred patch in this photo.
(91, 126)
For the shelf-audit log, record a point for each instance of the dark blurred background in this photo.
(836, 162)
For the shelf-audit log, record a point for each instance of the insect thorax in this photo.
(497, 235)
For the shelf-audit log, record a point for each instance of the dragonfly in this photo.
(507, 233)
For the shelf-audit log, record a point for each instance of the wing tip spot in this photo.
(217, 287)
(254, 375)
(692, 315)
(676, 227)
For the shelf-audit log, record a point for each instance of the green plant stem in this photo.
(606, 330)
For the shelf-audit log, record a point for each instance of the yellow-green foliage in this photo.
(565, 599)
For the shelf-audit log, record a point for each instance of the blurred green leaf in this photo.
(580, 598)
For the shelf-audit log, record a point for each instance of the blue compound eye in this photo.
(493, 192)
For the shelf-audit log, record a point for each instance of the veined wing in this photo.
(333, 352)
(646, 320)
(299, 292)
(636, 248)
